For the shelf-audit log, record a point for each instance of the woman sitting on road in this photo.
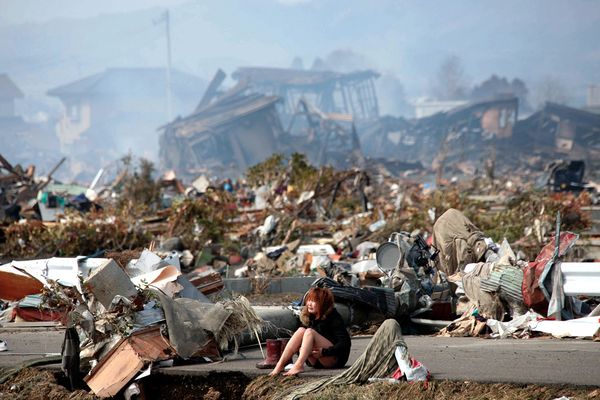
(323, 342)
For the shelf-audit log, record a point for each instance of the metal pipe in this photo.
(581, 278)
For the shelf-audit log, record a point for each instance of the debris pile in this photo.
(506, 295)
(122, 321)
(333, 118)
(138, 277)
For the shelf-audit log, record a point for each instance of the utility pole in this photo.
(166, 18)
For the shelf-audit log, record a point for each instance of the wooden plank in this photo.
(30, 325)
(111, 376)
(126, 359)
(211, 91)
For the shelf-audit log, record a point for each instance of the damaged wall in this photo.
(224, 138)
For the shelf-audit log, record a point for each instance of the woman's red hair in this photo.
(323, 297)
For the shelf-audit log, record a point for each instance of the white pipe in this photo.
(97, 178)
(581, 278)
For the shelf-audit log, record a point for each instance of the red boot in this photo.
(273, 353)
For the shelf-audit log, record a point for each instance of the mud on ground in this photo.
(261, 389)
(37, 384)
(215, 386)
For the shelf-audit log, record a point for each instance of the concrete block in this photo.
(275, 285)
(296, 284)
(238, 285)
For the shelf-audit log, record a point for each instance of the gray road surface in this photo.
(541, 361)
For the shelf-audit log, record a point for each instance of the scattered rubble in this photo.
(138, 276)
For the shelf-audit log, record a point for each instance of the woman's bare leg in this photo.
(311, 340)
(292, 347)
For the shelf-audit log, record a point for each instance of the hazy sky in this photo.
(45, 43)
(23, 11)
(48, 43)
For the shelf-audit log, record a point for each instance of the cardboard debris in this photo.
(163, 279)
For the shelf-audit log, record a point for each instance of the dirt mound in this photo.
(35, 384)
(268, 388)
(215, 386)
(456, 391)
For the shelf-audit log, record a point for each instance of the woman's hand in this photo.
(317, 352)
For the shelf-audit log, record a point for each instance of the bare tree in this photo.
(551, 89)
(297, 63)
(451, 83)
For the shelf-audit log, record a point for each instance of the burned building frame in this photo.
(332, 92)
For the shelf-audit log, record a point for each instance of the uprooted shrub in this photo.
(198, 221)
(294, 171)
(138, 190)
(265, 171)
(77, 234)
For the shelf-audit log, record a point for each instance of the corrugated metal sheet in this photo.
(506, 280)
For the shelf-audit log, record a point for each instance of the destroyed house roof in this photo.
(8, 89)
(133, 81)
(221, 112)
(294, 77)
(581, 117)
(463, 111)
(460, 111)
(577, 116)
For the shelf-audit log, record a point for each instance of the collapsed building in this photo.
(332, 92)
(489, 132)
(463, 134)
(325, 138)
(558, 131)
(224, 137)
(234, 129)
(333, 118)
